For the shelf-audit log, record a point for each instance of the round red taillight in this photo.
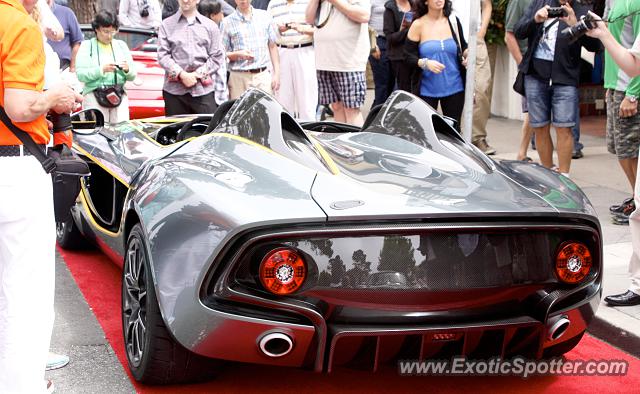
(282, 271)
(573, 262)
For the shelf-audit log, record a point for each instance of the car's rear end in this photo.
(375, 293)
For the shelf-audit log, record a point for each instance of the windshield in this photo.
(144, 40)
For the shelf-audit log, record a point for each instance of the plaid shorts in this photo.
(348, 87)
(623, 134)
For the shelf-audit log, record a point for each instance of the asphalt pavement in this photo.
(95, 368)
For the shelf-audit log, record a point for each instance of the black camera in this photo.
(144, 9)
(585, 23)
(61, 122)
(556, 12)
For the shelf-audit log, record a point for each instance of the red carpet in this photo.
(99, 280)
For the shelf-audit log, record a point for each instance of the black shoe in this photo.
(626, 205)
(577, 154)
(625, 299)
(620, 219)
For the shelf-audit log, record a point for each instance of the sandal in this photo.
(527, 159)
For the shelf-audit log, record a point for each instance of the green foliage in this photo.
(495, 32)
(396, 255)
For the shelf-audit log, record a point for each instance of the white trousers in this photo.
(634, 227)
(111, 115)
(298, 92)
(27, 278)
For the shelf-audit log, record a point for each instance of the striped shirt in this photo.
(189, 46)
(253, 34)
(284, 12)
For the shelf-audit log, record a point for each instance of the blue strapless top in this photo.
(449, 81)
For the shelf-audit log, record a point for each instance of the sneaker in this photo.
(577, 154)
(484, 147)
(627, 204)
(623, 217)
(620, 219)
(55, 361)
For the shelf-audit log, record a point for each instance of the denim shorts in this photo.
(553, 104)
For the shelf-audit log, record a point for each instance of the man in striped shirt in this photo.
(249, 36)
(298, 82)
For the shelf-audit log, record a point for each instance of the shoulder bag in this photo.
(65, 168)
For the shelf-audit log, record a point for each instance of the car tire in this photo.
(562, 348)
(69, 236)
(153, 355)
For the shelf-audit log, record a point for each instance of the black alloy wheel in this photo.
(134, 301)
(68, 236)
(153, 355)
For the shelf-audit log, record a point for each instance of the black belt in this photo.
(14, 150)
(252, 71)
(293, 46)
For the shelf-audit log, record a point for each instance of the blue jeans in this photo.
(382, 76)
(555, 104)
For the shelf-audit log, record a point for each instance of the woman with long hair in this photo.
(397, 19)
(436, 45)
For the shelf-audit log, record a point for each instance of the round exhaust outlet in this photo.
(557, 327)
(275, 344)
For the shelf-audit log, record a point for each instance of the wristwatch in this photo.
(422, 63)
(632, 99)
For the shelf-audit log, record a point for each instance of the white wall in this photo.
(505, 101)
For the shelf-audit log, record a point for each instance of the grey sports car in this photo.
(247, 236)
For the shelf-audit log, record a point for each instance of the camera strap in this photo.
(317, 23)
(115, 73)
(47, 163)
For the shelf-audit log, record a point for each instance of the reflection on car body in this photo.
(248, 236)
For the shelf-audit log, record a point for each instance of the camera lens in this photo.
(579, 29)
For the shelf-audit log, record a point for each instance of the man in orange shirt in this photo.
(27, 232)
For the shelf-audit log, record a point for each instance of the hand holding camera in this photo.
(109, 67)
(123, 66)
(63, 97)
(564, 12)
(599, 29)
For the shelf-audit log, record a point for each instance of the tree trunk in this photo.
(85, 9)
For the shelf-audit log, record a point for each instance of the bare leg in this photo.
(564, 148)
(338, 112)
(527, 132)
(354, 116)
(544, 145)
(630, 167)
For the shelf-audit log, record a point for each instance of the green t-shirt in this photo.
(625, 31)
(515, 10)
